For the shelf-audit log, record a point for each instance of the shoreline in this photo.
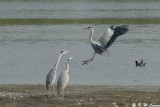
(55, 21)
(78, 95)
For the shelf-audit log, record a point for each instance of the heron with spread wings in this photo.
(106, 40)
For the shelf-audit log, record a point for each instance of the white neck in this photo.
(56, 65)
(91, 34)
(67, 65)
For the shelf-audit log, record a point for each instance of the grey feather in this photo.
(111, 34)
(50, 78)
(117, 31)
(106, 40)
(97, 47)
(62, 81)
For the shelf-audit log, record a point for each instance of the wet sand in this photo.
(79, 95)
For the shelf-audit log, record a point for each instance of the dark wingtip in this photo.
(122, 28)
(111, 27)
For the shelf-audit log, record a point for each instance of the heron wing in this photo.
(62, 81)
(50, 78)
(106, 37)
(96, 45)
(117, 31)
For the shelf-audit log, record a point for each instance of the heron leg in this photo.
(89, 60)
(54, 90)
(49, 92)
(63, 95)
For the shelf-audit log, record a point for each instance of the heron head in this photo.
(64, 51)
(69, 60)
(87, 28)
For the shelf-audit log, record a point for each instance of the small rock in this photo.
(79, 104)
(90, 99)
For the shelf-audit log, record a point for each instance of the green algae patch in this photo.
(40, 21)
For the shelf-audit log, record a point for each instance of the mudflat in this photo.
(80, 95)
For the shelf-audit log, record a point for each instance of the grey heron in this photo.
(51, 76)
(106, 40)
(63, 80)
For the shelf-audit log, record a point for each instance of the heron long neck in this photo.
(67, 65)
(91, 34)
(56, 65)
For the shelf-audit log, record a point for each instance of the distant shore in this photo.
(79, 95)
(43, 21)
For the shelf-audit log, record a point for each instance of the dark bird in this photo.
(106, 40)
(140, 63)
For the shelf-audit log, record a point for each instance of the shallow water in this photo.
(80, 9)
(28, 52)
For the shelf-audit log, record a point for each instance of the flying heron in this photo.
(51, 76)
(63, 80)
(106, 40)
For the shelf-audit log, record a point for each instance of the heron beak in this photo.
(67, 51)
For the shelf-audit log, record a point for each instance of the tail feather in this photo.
(47, 86)
(59, 91)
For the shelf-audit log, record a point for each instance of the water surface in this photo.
(80, 9)
(29, 51)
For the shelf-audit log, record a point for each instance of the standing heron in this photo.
(63, 80)
(51, 76)
(106, 40)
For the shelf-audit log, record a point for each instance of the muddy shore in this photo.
(79, 95)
